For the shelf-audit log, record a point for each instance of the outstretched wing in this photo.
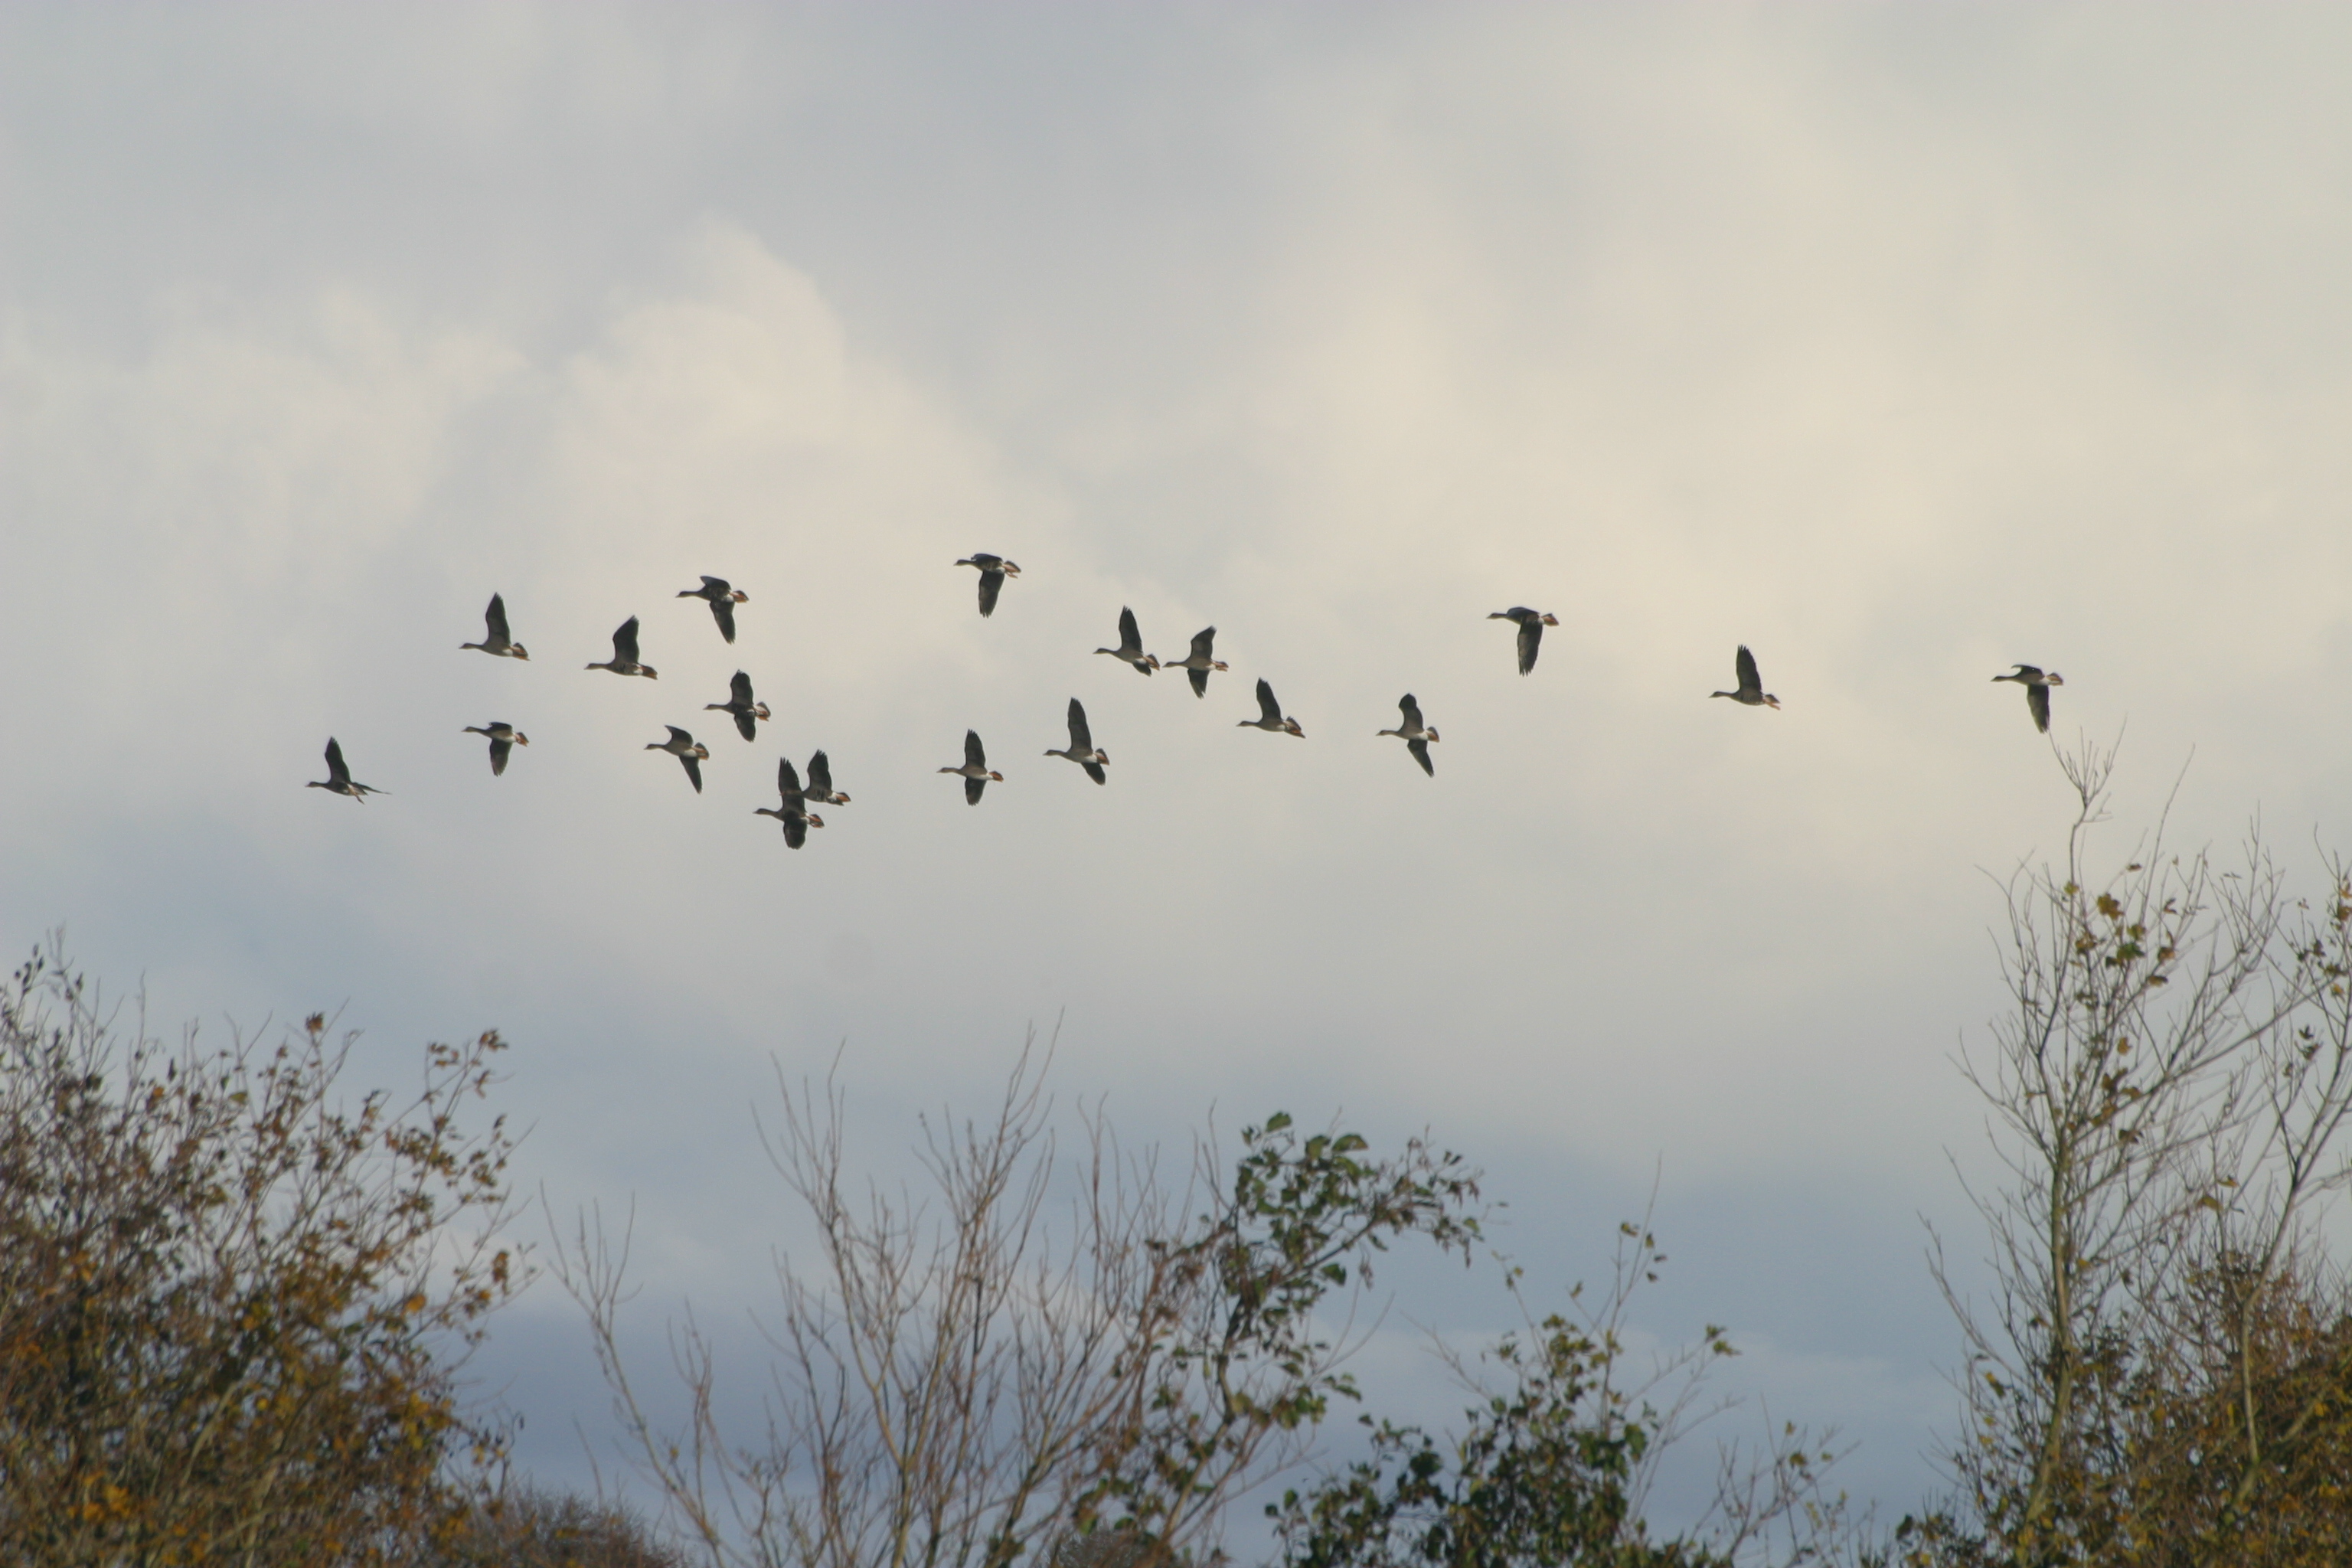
(716, 587)
(740, 689)
(972, 788)
(820, 775)
(1202, 641)
(746, 723)
(498, 749)
(1749, 680)
(495, 618)
(788, 781)
(973, 757)
(1200, 681)
(1530, 640)
(1081, 740)
(678, 737)
(624, 642)
(693, 768)
(722, 610)
(337, 772)
(991, 582)
(1095, 772)
(1129, 639)
(1266, 705)
(2037, 698)
(1412, 711)
(795, 830)
(1419, 749)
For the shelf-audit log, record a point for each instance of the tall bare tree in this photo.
(2165, 1094)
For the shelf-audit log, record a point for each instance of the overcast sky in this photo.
(1900, 344)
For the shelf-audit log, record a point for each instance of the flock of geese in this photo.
(792, 811)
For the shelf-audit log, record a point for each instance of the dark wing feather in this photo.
(1200, 681)
(1202, 641)
(1412, 711)
(1530, 640)
(1081, 739)
(990, 584)
(718, 587)
(2037, 698)
(973, 757)
(337, 772)
(795, 830)
(747, 723)
(1419, 749)
(693, 768)
(1749, 680)
(820, 775)
(1095, 772)
(972, 788)
(498, 749)
(741, 686)
(723, 612)
(624, 642)
(1266, 705)
(1129, 639)
(788, 781)
(495, 618)
(678, 737)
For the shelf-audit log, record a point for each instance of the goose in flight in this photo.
(2037, 691)
(793, 811)
(975, 769)
(1414, 733)
(1270, 716)
(682, 746)
(820, 784)
(747, 712)
(993, 571)
(625, 653)
(1197, 664)
(495, 640)
(1130, 644)
(722, 599)
(1531, 626)
(1751, 686)
(339, 776)
(504, 738)
(1082, 746)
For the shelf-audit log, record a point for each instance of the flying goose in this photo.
(1130, 644)
(495, 640)
(1197, 664)
(1531, 626)
(747, 712)
(1270, 716)
(993, 571)
(682, 746)
(1751, 686)
(820, 786)
(2037, 691)
(723, 600)
(975, 770)
(794, 812)
(504, 738)
(1082, 746)
(625, 653)
(339, 776)
(1415, 735)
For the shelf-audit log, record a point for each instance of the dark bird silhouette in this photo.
(504, 738)
(1531, 626)
(1130, 644)
(1751, 686)
(820, 784)
(975, 770)
(993, 571)
(747, 712)
(1415, 734)
(682, 746)
(625, 653)
(2037, 692)
(722, 600)
(1270, 718)
(1197, 664)
(793, 811)
(339, 777)
(494, 636)
(1082, 745)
